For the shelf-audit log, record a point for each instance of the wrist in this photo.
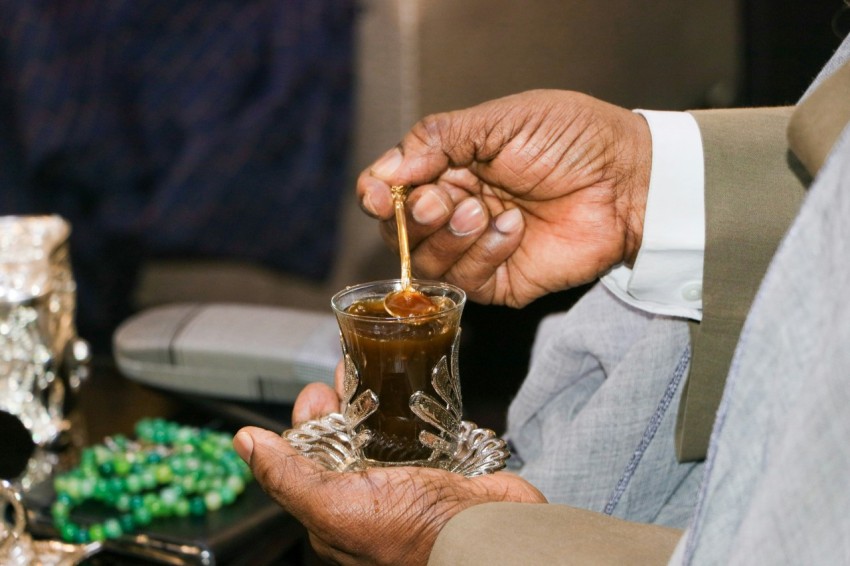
(633, 164)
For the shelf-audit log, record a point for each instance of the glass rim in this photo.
(396, 285)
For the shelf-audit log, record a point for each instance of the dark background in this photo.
(785, 45)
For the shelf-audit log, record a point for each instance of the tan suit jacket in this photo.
(744, 223)
(747, 153)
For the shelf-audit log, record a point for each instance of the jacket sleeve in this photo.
(531, 533)
(753, 190)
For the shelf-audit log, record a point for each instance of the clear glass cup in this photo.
(402, 373)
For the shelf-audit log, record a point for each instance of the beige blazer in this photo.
(744, 224)
(747, 152)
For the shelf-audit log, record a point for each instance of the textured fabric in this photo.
(592, 425)
(210, 128)
(775, 490)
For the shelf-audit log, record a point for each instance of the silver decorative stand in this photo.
(336, 440)
(42, 360)
(42, 363)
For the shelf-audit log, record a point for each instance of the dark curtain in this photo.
(188, 128)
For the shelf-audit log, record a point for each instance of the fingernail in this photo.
(376, 199)
(387, 165)
(509, 221)
(468, 218)
(429, 208)
(244, 445)
(368, 205)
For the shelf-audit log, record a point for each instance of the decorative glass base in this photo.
(337, 440)
(328, 441)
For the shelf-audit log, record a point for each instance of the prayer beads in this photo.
(170, 470)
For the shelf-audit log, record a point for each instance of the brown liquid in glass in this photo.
(394, 367)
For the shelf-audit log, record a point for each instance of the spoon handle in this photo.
(399, 193)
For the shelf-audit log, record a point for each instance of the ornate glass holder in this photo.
(401, 400)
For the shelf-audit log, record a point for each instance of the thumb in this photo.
(273, 461)
(256, 445)
(243, 443)
(413, 162)
(292, 480)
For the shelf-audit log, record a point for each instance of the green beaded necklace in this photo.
(170, 470)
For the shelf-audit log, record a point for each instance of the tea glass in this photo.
(401, 398)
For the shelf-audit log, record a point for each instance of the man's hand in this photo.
(379, 516)
(518, 197)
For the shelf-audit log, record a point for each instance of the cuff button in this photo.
(692, 292)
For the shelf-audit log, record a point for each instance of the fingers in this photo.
(259, 446)
(417, 165)
(374, 196)
(464, 247)
(302, 487)
(474, 261)
(432, 147)
(374, 183)
(285, 475)
(384, 516)
(435, 254)
(430, 207)
(315, 401)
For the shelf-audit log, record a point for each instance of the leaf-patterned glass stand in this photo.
(337, 440)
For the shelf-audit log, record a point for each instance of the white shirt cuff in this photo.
(667, 275)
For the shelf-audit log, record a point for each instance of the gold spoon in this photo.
(407, 301)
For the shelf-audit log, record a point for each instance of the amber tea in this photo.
(395, 358)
